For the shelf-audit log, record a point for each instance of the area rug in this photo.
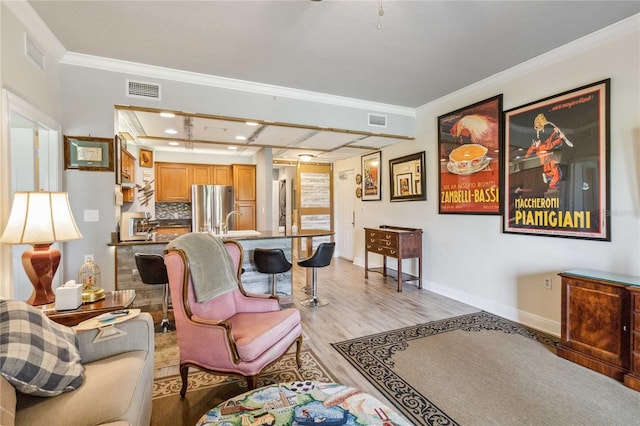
(480, 369)
(205, 390)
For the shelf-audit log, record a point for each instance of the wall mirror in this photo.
(407, 178)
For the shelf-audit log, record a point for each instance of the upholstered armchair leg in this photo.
(252, 382)
(184, 373)
(298, 348)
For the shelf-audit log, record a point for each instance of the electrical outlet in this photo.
(88, 257)
(547, 283)
(135, 275)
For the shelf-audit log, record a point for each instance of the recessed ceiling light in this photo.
(171, 131)
(167, 114)
(232, 147)
(241, 138)
(252, 123)
(174, 143)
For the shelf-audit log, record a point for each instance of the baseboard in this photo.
(508, 312)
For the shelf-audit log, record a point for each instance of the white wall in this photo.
(466, 256)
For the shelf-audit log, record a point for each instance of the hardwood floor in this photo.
(359, 307)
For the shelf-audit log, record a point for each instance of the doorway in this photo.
(32, 141)
(345, 214)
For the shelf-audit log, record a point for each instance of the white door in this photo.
(36, 164)
(345, 211)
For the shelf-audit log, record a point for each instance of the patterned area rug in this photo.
(205, 390)
(391, 361)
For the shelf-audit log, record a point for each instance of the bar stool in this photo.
(271, 261)
(153, 271)
(319, 259)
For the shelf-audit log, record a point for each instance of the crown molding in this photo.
(36, 27)
(116, 65)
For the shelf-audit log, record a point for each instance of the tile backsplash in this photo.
(173, 211)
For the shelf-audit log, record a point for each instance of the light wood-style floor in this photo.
(357, 307)
(360, 307)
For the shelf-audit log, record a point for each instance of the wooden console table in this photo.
(601, 323)
(397, 242)
(113, 301)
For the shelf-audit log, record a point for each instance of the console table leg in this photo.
(399, 275)
(420, 272)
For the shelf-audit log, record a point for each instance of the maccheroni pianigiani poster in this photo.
(557, 165)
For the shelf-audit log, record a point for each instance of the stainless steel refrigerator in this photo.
(210, 205)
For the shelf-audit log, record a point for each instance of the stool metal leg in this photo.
(165, 324)
(314, 301)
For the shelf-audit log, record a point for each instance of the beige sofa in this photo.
(116, 390)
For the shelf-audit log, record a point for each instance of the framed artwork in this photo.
(557, 165)
(118, 156)
(146, 158)
(469, 141)
(371, 170)
(407, 178)
(88, 153)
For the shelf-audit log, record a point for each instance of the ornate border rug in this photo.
(373, 356)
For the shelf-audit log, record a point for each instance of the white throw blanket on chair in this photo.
(212, 271)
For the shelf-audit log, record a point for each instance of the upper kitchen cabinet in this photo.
(127, 173)
(205, 174)
(173, 182)
(244, 192)
(221, 175)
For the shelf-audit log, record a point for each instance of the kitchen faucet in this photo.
(226, 221)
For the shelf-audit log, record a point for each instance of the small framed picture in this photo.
(407, 181)
(371, 190)
(88, 153)
(146, 158)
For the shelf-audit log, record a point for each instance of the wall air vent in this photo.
(141, 89)
(33, 51)
(377, 120)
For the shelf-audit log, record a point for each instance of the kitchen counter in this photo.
(299, 245)
(162, 239)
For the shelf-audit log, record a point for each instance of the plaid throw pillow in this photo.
(37, 356)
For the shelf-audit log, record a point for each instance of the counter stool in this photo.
(153, 271)
(319, 259)
(271, 261)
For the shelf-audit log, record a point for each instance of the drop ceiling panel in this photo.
(208, 129)
(280, 136)
(330, 140)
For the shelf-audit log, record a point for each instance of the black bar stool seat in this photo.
(319, 259)
(154, 272)
(271, 261)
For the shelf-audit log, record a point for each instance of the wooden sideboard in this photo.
(601, 323)
(397, 242)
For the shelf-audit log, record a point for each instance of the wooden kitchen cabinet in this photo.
(173, 182)
(221, 175)
(200, 174)
(597, 322)
(244, 193)
(127, 174)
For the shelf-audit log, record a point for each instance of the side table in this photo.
(303, 404)
(113, 301)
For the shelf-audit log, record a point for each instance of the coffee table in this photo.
(113, 301)
(303, 404)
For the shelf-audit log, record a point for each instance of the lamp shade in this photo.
(40, 218)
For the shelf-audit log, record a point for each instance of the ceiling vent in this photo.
(377, 120)
(140, 89)
(33, 51)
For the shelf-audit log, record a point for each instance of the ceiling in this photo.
(401, 53)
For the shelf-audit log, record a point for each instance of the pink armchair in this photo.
(236, 333)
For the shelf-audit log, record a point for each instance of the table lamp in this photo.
(40, 219)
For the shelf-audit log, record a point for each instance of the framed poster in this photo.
(88, 153)
(557, 165)
(407, 178)
(469, 141)
(371, 190)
